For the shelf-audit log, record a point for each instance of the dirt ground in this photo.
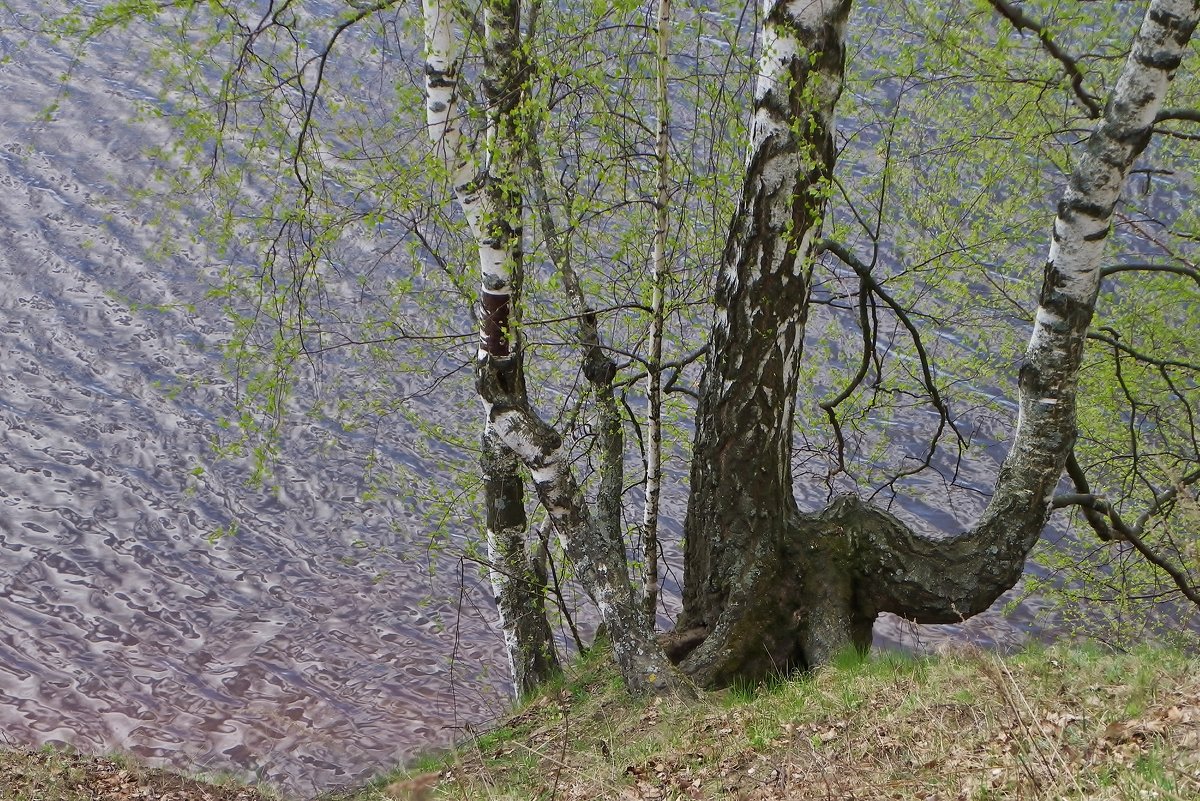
(61, 776)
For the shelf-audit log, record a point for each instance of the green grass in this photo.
(1049, 723)
(1069, 722)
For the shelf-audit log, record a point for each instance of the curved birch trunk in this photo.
(768, 588)
(944, 580)
(492, 207)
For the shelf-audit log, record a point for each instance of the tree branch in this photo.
(1022, 21)
(1095, 509)
(1181, 114)
(1109, 337)
(873, 286)
(1148, 267)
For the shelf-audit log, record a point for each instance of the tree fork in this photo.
(599, 559)
(769, 588)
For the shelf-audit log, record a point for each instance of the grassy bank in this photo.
(48, 775)
(1061, 723)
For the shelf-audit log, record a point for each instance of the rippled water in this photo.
(274, 653)
(270, 653)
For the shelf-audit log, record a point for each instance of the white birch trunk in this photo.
(654, 367)
(495, 224)
(599, 560)
(944, 580)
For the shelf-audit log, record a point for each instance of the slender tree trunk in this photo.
(599, 559)
(769, 588)
(654, 367)
(486, 191)
(598, 366)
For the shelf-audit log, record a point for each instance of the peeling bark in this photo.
(492, 206)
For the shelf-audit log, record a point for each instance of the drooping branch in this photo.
(871, 285)
(933, 579)
(312, 94)
(1022, 21)
(1108, 523)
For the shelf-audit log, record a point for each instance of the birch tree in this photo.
(836, 570)
(485, 189)
(567, 122)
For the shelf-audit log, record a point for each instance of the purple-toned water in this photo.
(289, 651)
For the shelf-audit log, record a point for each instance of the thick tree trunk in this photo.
(740, 567)
(769, 588)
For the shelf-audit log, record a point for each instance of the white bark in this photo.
(1080, 233)
(444, 124)
(660, 270)
(497, 234)
(942, 580)
(742, 498)
(599, 560)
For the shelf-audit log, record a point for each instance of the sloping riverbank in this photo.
(47, 775)
(1071, 723)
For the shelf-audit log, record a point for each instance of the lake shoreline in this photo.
(1063, 722)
